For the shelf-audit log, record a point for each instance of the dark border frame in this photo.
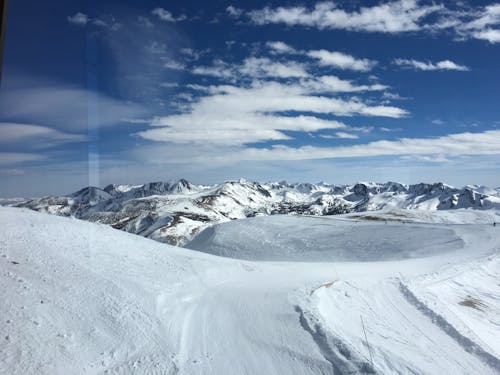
(3, 28)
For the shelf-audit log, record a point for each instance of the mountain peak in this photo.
(175, 211)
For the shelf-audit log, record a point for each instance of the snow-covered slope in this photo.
(11, 201)
(174, 212)
(316, 239)
(82, 298)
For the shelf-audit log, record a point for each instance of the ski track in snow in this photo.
(467, 344)
(83, 298)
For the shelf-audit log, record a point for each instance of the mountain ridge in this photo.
(175, 211)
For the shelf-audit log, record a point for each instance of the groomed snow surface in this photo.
(289, 295)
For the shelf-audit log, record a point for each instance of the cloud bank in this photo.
(391, 17)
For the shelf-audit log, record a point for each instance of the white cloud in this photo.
(137, 121)
(342, 135)
(221, 128)
(169, 84)
(35, 136)
(192, 54)
(484, 24)
(281, 47)
(65, 107)
(345, 135)
(253, 67)
(101, 23)
(491, 35)
(429, 66)
(165, 15)
(276, 97)
(427, 159)
(264, 67)
(489, 16)
(438, 122)
(392, 96)
(233, 11)
(260, 67)
(334, 59)
(213, 136)
(186, 96)
(363, 129)
(196, 87)
(79, 19)
(231, 115)
(485, 143)
(454, 147)
(397, 16)
(390, 17)
(218, 69)
(333, 84)
(11, 158)
(174, 65)
(341, 60)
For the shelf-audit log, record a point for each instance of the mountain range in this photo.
(175, 211)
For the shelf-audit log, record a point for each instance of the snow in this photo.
(468, 296)
(459, 216)
(196, 207)
(11, 201)
(399, 336)
(83, 298)
(294, 238)
(484, 189)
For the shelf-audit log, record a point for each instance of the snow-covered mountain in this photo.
(174, 212)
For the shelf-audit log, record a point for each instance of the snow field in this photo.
(83, 298)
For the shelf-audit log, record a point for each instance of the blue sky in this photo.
(95, 92)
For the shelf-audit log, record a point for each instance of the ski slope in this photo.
(83, 298)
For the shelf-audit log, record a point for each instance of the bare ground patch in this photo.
(473, 303)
